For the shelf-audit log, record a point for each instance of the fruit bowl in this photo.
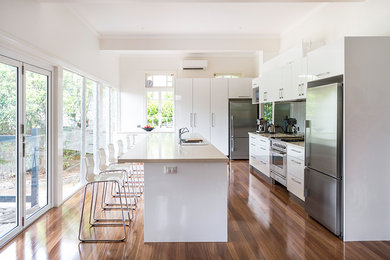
(148, 128)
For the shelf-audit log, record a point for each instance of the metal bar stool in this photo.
(114, 193)
(116, 177)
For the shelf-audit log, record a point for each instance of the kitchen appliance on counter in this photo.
(323, 152)
(262, 125)
(242, 115)
(290, 127)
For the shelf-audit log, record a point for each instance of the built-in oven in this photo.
(278, 160)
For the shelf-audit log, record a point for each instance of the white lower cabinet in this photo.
(295, 170)
(295, 186)
(259, 153)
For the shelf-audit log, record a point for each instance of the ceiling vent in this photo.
(194, 64)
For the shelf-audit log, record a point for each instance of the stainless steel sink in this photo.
(193, 142)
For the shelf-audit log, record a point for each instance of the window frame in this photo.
(227, 75)
(159, 90)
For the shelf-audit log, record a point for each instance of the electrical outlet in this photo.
(170, 169)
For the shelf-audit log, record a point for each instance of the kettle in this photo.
(271, 129)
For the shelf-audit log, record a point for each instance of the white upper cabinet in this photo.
(201, 107)
(299, 78)
(285, 91)
(240, 88)
(270, 86)
(219, 114)
(326, 61)
(183, 104)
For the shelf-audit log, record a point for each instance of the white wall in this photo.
(367, 139)
(132, 78)
(58, 34)
(336, 20)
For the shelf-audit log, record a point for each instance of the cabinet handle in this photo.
(293, 179)
(322, 74)
(191, 119)
(263, 148)
(212, 119)
(243, 96)
(296, 151)
(296, 162)
(253, 157)
(263, 141)
(263, 162)
(252, 145)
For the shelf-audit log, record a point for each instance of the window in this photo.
(72, 102)
(227, 75)
(159, 100)
(104, 117)
(90, 121)
(159, 80)
(268, 111)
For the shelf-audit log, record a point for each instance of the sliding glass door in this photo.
(9, 160)
(35, 127)
(24, 175)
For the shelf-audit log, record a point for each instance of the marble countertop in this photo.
(164, 147)
(277, 135)
(281, 135)
(301, 144)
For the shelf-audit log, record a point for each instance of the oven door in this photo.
(279, 162)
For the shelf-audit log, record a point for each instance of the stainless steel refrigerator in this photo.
(324, 152)
(242, 119)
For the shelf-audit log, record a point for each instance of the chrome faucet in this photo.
(181, 132)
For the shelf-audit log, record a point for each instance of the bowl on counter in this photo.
(148, 128)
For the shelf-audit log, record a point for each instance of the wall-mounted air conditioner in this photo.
(194, 64)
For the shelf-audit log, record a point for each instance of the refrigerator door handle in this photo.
(232, 133)
(307, 142)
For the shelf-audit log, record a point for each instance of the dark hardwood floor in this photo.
(264, 223)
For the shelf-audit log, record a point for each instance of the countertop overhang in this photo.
(164, 147)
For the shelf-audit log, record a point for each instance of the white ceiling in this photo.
(126, 19)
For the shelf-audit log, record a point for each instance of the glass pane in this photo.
(104, 113)
(36, 142)
(159, 80)
(90, 110)
(8, 152)
(72, 88)
(114, 110)
(152, 104)
(167, 109)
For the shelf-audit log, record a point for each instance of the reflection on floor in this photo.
(264, 223)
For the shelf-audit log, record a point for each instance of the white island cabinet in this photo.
(186, 188)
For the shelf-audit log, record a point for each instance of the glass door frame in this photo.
(32, 68)
(21, 221)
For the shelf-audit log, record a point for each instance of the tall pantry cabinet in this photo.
(202, 106)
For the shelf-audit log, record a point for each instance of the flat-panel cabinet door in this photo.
(220, 114)
(285, 90)
(183, 105)
(240, 88)
(274, 85)
(299, 78)
(201, 107)
(326, 61)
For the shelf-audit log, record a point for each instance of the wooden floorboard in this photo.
(264, 223)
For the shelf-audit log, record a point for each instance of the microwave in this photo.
(255, 95)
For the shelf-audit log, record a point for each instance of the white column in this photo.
(57, 135)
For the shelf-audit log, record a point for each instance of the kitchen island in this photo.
(185, 192)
